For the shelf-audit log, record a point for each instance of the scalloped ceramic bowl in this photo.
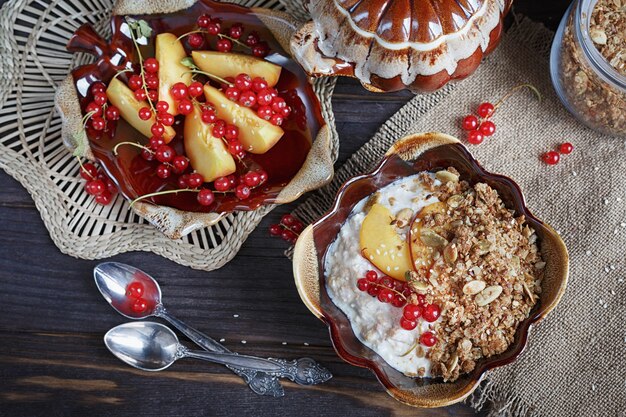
(429, 151)
(300, 162)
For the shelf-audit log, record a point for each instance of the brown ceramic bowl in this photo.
(431, 152)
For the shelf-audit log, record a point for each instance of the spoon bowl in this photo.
(144, 345)
(112, 280)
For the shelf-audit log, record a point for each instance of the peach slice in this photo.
(207, 154)
(169, 52)
(232, 64)
(425, 242)
(382, 245)
(123, 98)
(257, 135)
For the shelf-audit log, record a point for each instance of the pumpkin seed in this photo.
(446, 176)
(484, 246)
(450, 253)
(455, 201)
(488, 295)
(404, 217)
(474, 287)
(430, 238)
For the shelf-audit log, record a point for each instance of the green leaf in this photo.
(188, 62)
(144, 28)
(80, 139)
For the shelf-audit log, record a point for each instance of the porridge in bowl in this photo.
(434, 273)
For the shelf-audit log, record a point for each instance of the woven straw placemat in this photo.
(33, 60)
(574, 362)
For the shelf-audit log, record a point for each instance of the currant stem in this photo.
(208, 74)
(290, 229)
(512, 91)
(391, 289)
(237, 41)
(82, 168)
(87, 117)
(142, 73)
(120, 72)
(415, 344)
(189, 33)
(135, 144)
(150, 195)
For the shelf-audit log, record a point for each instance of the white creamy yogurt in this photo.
(377, 325)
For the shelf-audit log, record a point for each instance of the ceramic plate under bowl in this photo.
(411, 155)
(299, 162)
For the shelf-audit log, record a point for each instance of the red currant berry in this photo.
(362, 284)
(398, 301)
(97, 88)
(104, 198)
(165, 118)
(157, 129)
(566, 148)
(195, 89)
(232, 93)
(98, 123)
(203, 21)
(153, 95)
(195, 40)
(407, 324)
(470, 122)
(145, 113)
(297, 226)
(265, 112)
(373, 290)
(428, 339)
(214, 27)
(385, 295)
(262, 175)
(235, 31)
(180, 163)
(278, 103)
(208, 116)
(265, 97)
(386, 282)
(139, 306)
(243, 82)
(285, 112)
(135, 82)
(178, 91)
(551, 157)
(487, 128)
(100, 99)
(206, 197)
(235, 147)
(162, 106)
(221, 184)
(151, 65)
(475, 137)
(88, 171)
(152, 81)
(412, 312)
(259, 84)
(371, 276)
(287, 220)
(111, 188)
(94, 109)
(185, 107)
(182, 181)
(219, 129)
(140, 94)
(95, 187)
(165, 153)
(247, 99)
(431, 312)
(421, 300)
(275, 230)
(233, 180)
(163, 171)
(242, 191)
(224, 45)
(195, 180)
(231, 132)
(251, 179)
(155, 142)
(276, 120)
(147, 154)
(112, 113)
(288, 235)
(260, 50)
(485, 110)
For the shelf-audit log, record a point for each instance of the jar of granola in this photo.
(588, 64)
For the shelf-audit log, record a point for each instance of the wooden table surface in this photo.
(52, 318)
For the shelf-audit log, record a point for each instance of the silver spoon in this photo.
(152, 346)
(112, 279)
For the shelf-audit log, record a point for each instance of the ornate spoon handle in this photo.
(259, 382)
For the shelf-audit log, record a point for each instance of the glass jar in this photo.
(589, 87)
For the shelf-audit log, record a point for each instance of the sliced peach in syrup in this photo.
(169, 52)
(232, 64)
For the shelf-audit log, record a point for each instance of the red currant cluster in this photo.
(135, 291)
(395, 292)
(98, 184)
(553, 157)
(288, 229)
(256, 94)
(479, 128)
(99, 110)
(226, 37)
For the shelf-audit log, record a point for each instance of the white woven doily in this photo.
(33, 60)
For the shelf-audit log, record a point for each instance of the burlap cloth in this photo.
(574, 362)
(33, 60)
